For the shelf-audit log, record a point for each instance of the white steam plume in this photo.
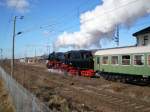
(102, 21)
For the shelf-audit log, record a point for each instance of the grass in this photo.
(5, 100)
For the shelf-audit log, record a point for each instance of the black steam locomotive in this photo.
(74, 62)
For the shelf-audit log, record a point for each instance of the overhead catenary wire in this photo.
(69, 14)
(60, 21)
(53, 25)
(71, 26)
(12, 13)
(111, 10)
(13, 10)
(34, 46)
(10, 19)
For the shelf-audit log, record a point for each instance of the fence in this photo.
(24, 101)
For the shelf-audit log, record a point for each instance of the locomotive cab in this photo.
(81, 59)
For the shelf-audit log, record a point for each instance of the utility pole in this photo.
(13, 46)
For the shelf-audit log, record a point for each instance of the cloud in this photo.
(101, 22)
(20, 5)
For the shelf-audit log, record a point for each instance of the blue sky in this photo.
(44, 21)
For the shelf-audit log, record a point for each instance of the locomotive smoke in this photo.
(102, 21)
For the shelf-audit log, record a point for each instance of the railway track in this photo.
(119, 102)
(122, 101)
(96, 95)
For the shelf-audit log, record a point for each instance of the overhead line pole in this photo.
(117, 35)
(13, 43)
(13, 46)
(116, 38)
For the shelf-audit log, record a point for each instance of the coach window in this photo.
(138, 59)
(105, 60)
(126, 60)
(149, 60)
(98, 60)
(114, 60)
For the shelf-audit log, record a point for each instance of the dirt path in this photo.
(81, 94)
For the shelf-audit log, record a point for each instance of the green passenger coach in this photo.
(127, 60)
(129, 63)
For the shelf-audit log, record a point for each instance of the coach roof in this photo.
(124, 50)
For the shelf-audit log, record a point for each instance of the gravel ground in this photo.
(81, 94)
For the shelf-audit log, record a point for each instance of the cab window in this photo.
(98, 60)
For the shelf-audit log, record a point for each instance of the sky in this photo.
(46, 20)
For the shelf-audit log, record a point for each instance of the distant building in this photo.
(33, 60)
(143, 37)
(22, 60)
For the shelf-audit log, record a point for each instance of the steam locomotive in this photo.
(74, 62)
